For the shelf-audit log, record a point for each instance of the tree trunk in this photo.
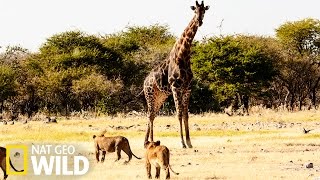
(292, 102)
(1, 107)
(245, 101)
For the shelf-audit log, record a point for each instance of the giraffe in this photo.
(173, 76)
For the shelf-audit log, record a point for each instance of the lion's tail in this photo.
(172, 170)
(130, 151)
(14, 167)
(135, 155)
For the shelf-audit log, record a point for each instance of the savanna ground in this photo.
(264, 145)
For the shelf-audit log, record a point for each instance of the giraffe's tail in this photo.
(132, 99)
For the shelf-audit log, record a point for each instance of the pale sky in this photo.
(30, 22)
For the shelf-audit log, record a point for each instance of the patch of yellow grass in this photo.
(262, 116)
(79, 130)
(214, 133)
(83, 130)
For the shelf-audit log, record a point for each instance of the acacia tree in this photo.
(63, 61)
(235, 67)
(301, 73)
(12, 78)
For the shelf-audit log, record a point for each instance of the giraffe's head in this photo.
(199, 10)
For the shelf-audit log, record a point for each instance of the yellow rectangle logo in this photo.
(17, 149)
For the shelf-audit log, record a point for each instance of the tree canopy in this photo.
(234, 66)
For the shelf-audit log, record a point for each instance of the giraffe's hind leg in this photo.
(185, 115)
(177, 96)
(154, 101)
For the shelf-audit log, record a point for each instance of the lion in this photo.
(3, 163)
(159, 156)
(112, 144)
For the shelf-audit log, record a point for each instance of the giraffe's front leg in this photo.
(149, 131)
(151, 115)
(146, 138)
(151, 128)
(177, 96)
(185, 115)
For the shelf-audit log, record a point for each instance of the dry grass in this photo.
(264, 145)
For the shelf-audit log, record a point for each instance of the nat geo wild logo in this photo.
(45, 160)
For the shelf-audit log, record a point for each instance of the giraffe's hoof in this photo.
(189, 144)
(184, 146)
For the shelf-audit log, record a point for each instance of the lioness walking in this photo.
(112, 144)
(159, 156)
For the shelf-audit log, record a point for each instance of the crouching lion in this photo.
(3, 163)
(112, 144)
(159, 156)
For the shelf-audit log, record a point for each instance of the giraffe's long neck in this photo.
(181, 49)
